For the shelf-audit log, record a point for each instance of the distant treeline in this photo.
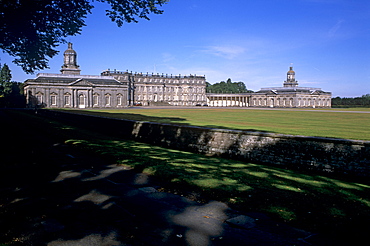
(363, 101)
(227, 87)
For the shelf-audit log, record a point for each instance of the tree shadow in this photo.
(301, 198)
(317, 202)
(145, 118)
(129, 116)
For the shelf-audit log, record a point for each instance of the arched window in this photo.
(53, 99)
(39, 98)
(119, 99)
(96, 99)
(81, 101)
(107, 100)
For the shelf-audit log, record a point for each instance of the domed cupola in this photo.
(290, 82)
(70, 62)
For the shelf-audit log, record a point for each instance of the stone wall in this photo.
(340, 156)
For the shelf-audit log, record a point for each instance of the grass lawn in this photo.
(321, 123)
(336, 206)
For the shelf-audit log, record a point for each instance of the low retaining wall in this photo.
(324, 154)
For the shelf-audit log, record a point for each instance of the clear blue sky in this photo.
(328, 42)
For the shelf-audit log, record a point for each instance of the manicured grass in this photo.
(336, 206)
(321, 123)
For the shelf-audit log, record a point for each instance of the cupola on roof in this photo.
(70, 62)
(70, 50)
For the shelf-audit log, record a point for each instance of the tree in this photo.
(32, 29)
(227, 87)
(363, 101)
(11, 92)
(5, 80)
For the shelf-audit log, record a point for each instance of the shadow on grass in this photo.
(145, 118)
(314, 202)
(129, 116)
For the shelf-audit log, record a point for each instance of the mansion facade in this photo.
(289, 96)
(115, 89)
(150, 89)
(111, 89)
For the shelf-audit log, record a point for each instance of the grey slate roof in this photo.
(58, 79)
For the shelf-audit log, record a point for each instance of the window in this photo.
(107, 99)
(81, 101)
(96, 99)
(67, 100)
(119, 99)
(53, 100)
(39, 98)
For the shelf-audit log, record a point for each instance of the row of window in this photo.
(169, 89)
(169, 81)
(299, 99)
(301, 102)
(170, 98)
(81, 99)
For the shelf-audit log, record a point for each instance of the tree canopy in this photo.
(5, 80)
(32, 29)
(227, 87)
(11, 93)
(363, 101)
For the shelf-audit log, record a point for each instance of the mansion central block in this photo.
(115, 89)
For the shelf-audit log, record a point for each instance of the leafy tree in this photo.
(227, 87)
(363, 101)
(5, 80)
(32, 29)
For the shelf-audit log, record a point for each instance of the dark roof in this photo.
(289, 90)
(74, 80)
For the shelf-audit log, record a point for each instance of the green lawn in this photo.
(335, 206)
(321, 123)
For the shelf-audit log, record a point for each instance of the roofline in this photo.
(73, 76)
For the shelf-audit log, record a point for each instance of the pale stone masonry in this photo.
(291, 95)
(113, 89)
(288, 96)
(116, 89)
(154, 89)
(75, 91)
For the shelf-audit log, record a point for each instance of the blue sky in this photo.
(328, 42)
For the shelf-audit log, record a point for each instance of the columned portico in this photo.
(288, 96)
(228, 100)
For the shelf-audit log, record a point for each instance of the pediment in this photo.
(81, 82)
(271, 92)
(316, 93)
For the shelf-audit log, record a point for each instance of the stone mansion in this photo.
(115, 89)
